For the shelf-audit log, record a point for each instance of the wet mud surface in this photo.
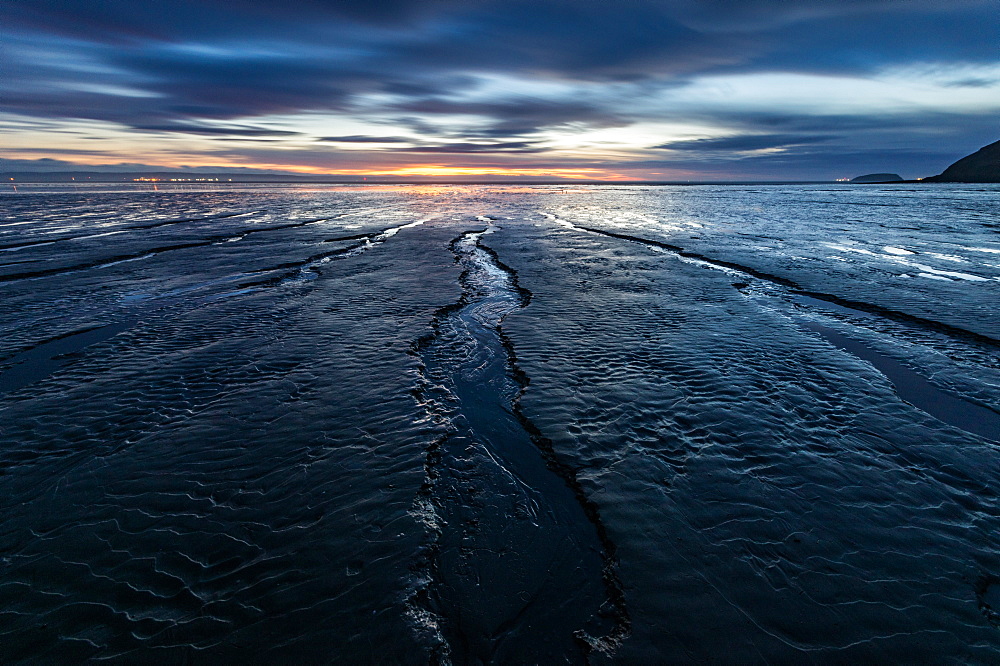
(519, 572)
(500, 425)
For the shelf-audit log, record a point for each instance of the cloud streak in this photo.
(748, 142)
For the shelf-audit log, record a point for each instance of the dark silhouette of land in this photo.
(982, 166)
(878, 178)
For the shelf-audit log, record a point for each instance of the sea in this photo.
(497, 424)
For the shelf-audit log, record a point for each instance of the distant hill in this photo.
(878, 178)
(982, 166)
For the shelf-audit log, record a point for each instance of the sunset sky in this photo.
(670, 90)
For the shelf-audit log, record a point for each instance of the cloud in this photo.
(471, 77)
(515, 117)
(977, 82)
(748, 142)
(364, 138)
(207, 130)
(457, 148)
(49, 165)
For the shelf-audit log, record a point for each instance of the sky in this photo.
(669, 90)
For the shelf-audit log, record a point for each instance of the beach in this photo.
(513, 424)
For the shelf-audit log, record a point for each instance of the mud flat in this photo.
(481, 424)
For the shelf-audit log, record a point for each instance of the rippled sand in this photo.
(512, 425)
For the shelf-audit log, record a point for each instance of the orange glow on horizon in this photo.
(423, 170)
(446, 171)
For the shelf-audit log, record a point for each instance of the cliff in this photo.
(982, 166)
